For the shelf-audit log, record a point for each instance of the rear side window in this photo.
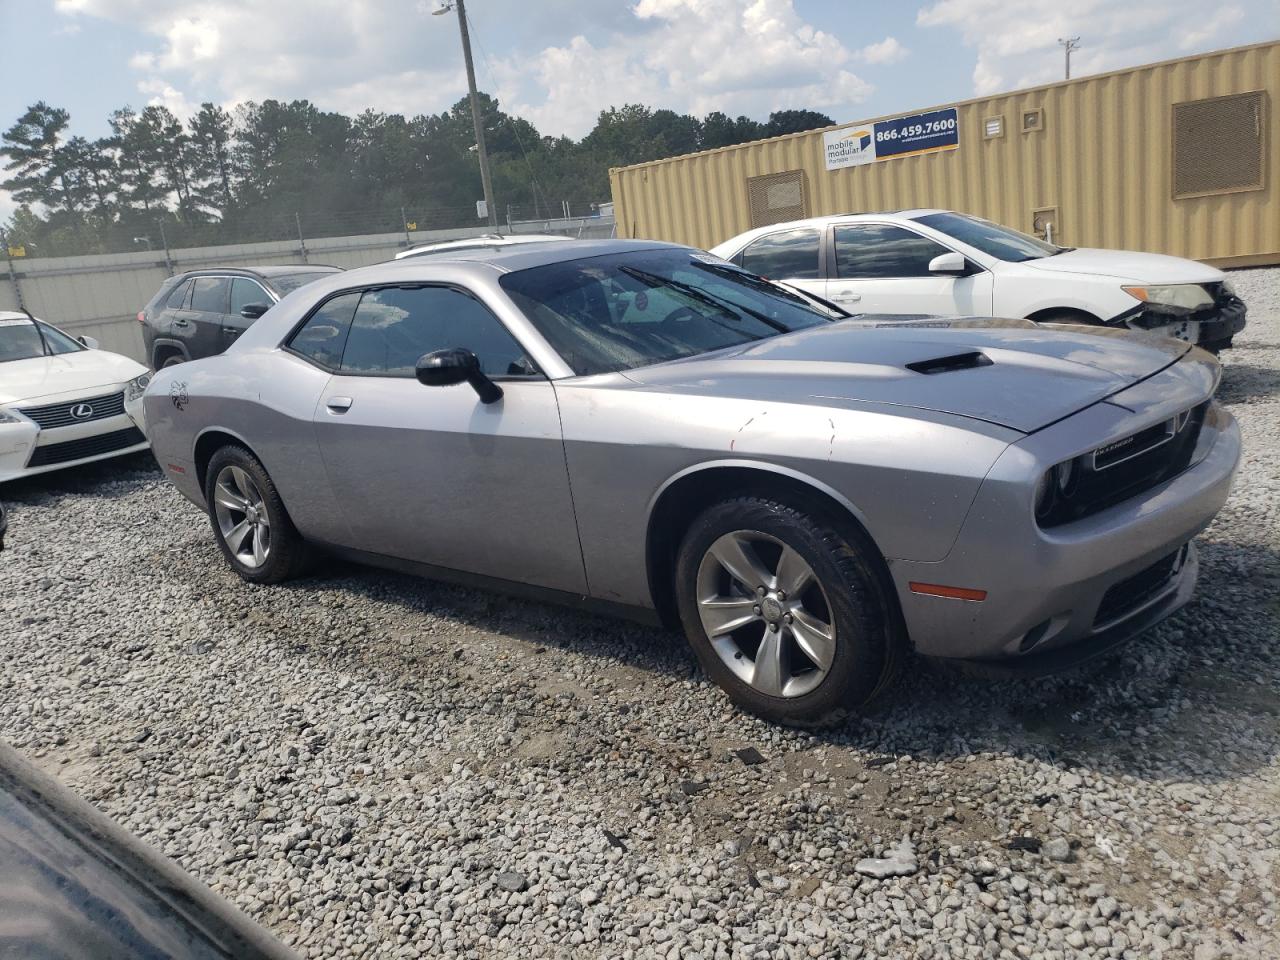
(245, 292)
(322, 338)
(394, 327)
(867, 251)
(179, 296)
(210, 294)
(787, 255)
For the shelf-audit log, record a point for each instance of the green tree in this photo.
(795, 121)
(37, 173)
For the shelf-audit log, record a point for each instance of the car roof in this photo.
(522, 256)
(910, 214)
(491, 240)
(266, 270)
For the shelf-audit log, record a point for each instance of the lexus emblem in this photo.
(82, 411)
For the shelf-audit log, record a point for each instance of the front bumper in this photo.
(1209, 327)
(26, 450)
(1049, 598)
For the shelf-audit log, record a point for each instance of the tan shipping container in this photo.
(1175, 157)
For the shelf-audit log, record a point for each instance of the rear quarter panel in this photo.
(267, 400)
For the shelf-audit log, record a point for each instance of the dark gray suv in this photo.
(199, 313)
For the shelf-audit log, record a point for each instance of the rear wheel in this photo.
(249, 520)
(784, 612)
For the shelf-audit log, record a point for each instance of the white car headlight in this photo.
(135, 387)
(7, 417)
(1181, 296)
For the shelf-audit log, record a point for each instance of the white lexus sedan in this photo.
(63, 402)
(952, 264)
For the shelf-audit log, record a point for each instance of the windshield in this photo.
(1003, 243)
(289, 282)
(629, 310)
(21, 339)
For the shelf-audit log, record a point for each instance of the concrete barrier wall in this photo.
(100, 296)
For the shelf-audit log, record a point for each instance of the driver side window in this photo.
(395, 326)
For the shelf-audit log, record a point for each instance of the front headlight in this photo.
(135, 387)
(7, 417)
(1188, 297)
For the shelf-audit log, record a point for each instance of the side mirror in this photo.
(951, 264)
(90, 342)
(252, 311)
(444, 368)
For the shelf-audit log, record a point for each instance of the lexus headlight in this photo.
(134, 388)
(1188, 297)
(7, 417)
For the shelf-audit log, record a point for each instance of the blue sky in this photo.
(558, 62)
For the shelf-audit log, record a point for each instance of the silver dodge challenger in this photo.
(644, 428)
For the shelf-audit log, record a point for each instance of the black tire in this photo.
(1068, 316)
(1217, 346)
(868, 637)
(288, 555)
(173, 360)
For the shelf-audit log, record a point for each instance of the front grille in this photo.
(1124, 469)
(50, 453)
(1129, 595)
(56, 415)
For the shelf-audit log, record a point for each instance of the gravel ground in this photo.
(373, 765)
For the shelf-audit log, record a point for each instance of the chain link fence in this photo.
(167, 233)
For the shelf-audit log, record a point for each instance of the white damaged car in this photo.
(63, 401)
(950, 264)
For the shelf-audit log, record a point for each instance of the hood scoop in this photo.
(951, 363)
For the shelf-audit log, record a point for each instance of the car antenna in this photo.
(44, 343)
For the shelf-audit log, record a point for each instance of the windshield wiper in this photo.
(727, 307)
(1061, 250)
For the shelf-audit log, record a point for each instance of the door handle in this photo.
(181, 322)
(846, 297)
(338, 404)
(231, 332)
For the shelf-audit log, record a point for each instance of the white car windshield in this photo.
(995, 240)
(628, 310)
(22, 339)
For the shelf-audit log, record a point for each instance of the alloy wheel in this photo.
(766, 614)
(242, 516)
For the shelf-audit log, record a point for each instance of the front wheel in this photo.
(249, 520)
(785, 613)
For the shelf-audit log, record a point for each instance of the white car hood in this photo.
(23, 381)
(1127, 265)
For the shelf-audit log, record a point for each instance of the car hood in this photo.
(1127, 265)
(28, 380)
(1012, 373)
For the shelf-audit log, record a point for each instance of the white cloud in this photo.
(341, 54)
(1023, 50)
(697, 56)
(1210, 28)
(888, 50)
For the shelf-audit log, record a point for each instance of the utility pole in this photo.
(1069, 44)
(461, 7)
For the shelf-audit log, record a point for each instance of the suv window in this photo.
(323, 336)
(244, 292)
(210, 294)
(877, 250)
(178, 298)
(394, 327)
(787, 255)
